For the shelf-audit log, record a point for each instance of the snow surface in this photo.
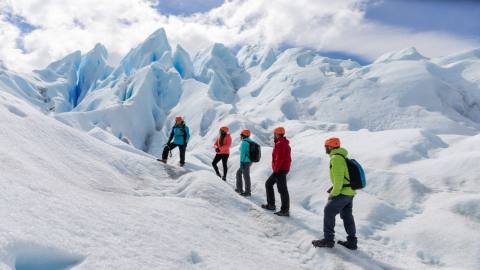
(82, 189)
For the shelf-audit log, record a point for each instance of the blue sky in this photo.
(22, 25)
(186, 7)
(455, 16)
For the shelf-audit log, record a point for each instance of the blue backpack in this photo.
(357, 174)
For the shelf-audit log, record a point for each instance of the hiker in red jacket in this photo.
(222, 148)
(281, 161)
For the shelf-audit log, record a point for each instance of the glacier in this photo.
(79, 140)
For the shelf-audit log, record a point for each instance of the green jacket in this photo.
(339, 173)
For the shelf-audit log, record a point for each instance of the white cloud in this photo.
(69, 25)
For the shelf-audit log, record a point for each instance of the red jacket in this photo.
(225, 148)
(281, 158)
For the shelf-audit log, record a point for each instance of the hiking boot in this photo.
(182, 164)
(224, 179)
(245, 194)
(238, 191)
(269, 207)
(162, 160)
(324, 243)
(219, 175)
(283, 213)
(352, 245)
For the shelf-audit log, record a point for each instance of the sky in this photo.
(34, 33)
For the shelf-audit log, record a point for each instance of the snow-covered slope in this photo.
(86, 188)
(72, 199)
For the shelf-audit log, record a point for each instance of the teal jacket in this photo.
(179, 134)
(245, 151)
(339, 173)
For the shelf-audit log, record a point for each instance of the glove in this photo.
(330, 197)
(217, 150)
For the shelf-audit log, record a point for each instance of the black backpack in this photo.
(357, 174)
(255, 152)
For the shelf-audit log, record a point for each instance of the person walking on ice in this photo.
(180, 135)
(245, 164)
(281, 161)
(340, 199)
(222, 149)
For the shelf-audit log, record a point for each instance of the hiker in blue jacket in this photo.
(180, 135)
(245, 163)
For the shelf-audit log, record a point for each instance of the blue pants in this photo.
(244, 171)
(342, 205)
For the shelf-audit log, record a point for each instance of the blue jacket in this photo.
(245, 151)
(179, 134)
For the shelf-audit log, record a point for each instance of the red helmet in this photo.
(225, 129)
(333, 142)
(246, 133)
(279, 131)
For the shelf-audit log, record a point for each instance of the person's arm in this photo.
(171, 136)
(282, 156)
(338, 175)
(243, 150)
(228, 142)
(188, 134)
(275, 158)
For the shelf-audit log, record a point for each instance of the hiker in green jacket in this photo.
(340, 199)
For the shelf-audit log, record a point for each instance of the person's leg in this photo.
(333, 207)
(183, 149)
(283, 190)
(215, 161)
(349, 222)
(225, 165)
(239, 180)
(167, 149)
(246, 177)
(269, 188)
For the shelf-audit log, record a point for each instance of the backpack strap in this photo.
(249, 148)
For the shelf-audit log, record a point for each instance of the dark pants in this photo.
(172, 146)
(224, 159)
(244, 171)
(339, 204)
(280, 179)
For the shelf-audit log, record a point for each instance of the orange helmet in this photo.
(178, 119)
(225, 129)
(333, 142)
(279, 131)
(246, 133)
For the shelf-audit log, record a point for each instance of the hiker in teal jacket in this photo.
(245, 164)
(340, 199)
(180, 135)
(245, 150)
